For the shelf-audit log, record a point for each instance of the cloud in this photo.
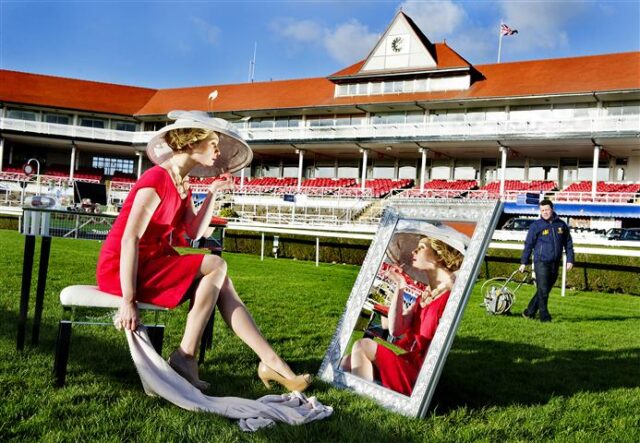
(540, 24)
(437, 20)
(210, 33)
(346, 42)
(349, 42)
(306, 31)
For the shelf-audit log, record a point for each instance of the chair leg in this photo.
(207, 337)
(156, 335)
(62, 352)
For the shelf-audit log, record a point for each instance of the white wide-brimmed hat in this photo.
(406, 237)
(235, 153)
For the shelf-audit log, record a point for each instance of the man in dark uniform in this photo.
(546, 238)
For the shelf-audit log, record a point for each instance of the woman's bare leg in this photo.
(235, 314)
(345, 363)
(213, 272)
(363, 357)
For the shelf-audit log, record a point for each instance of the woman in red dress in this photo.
(417, 324)
(138, 263)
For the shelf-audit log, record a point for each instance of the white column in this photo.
(300, 153)
(364, 169)
(72, 165)
(423, 167)
(317, 251)
(594, 176)
(527, 164)
(612, 169)
(242, 178)
(335, 168)
(503, 168)
(139, 163)
(396, 169)
(1, 151)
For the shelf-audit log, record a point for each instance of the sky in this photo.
(168, 44)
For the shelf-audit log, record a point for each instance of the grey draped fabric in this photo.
(159, 379)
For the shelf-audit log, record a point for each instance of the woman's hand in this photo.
(224, 183)
(394, 273)
(128, 314)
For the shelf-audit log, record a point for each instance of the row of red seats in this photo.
(518, 185)
(608, 192)
(383, 186)
(121, 177)
(462, 185)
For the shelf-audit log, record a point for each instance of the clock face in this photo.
(396, 44)
(28, 169)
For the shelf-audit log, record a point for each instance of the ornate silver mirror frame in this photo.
(482, 216)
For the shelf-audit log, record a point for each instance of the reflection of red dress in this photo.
(399, 372)
(164, 276)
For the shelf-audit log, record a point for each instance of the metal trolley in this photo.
(498, 295)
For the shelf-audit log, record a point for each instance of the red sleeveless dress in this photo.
(400, 372)
(164, 276)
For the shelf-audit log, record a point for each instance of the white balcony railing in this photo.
(463, 130)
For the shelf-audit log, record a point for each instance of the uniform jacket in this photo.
(546, 239)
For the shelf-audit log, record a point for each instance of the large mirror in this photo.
(400, 320)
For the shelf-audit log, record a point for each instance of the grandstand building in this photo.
(413, 119)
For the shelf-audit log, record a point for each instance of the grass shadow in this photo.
(481, 373)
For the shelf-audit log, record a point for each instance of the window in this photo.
(122, 125)
(420, 85)
(261, 123)
(415, 117)
(110, 165)
(60, 119)
(22, 114)
(349, 120)
(388, 118)
(363, 88)
(341, 90)
(320, 121)
(89, 122)
(376, 88)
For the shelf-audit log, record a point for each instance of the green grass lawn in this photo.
(506, 378)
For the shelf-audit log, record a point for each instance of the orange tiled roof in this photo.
(59, 92)
(539, 77)
(244, 96)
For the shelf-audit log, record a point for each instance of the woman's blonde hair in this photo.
(449, 256)
(179, 139)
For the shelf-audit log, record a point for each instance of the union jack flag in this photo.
(506, 30)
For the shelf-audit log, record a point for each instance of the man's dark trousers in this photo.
(546, 276)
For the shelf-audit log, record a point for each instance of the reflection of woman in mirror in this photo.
(369, 360)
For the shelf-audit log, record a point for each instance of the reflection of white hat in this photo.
(235, 153)
(406, 237)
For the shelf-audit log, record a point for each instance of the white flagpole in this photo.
(499, 40)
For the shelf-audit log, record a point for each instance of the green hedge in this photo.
(9, 222)
(332, 250)
(584, 276)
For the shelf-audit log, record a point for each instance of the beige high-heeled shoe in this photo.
(187, 367)
(298, 383)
